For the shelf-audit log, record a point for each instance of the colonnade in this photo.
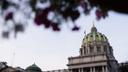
(91, 69)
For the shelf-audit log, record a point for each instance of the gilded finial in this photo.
(93, 24)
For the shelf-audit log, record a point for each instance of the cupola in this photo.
(33, 68)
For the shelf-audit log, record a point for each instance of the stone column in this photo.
(79, 70)
(106, 68)
(91, 70)
(95, 49)
(103, 69)
(88, 50)
(94, 69)
(84, 51)
(102, 49)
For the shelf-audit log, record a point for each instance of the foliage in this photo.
(51, 13)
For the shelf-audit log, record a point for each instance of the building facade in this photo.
(96, 55)
(123, 67)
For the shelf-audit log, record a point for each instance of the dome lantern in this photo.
(93, 29)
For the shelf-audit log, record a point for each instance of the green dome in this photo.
(94, 36)
(33, 68)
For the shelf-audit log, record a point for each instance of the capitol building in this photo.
(95, 55)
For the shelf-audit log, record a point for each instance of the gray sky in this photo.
(50, 50)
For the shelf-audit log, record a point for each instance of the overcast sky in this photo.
(50, 50)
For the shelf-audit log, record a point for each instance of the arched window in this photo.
(91, 50)
(98, 49)
(105, 48)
